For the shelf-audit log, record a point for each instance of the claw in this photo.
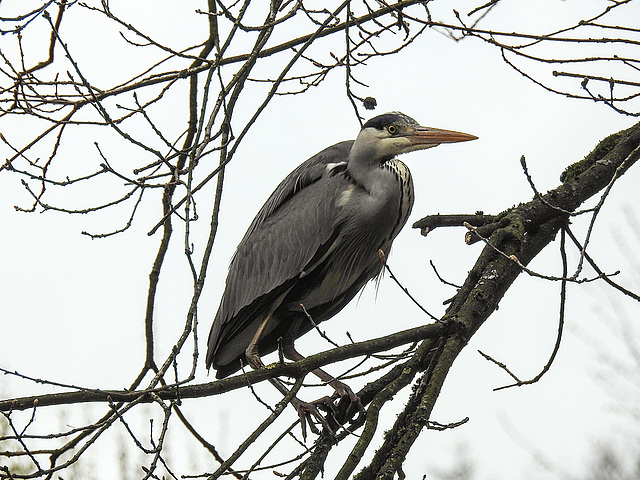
(310, 411)
(348, 403)
(335, 414)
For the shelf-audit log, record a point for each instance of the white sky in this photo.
(73, 308)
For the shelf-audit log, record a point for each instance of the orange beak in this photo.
(436, 136)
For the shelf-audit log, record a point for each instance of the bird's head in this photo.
(385, 136)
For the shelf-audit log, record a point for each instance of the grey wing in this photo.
(297, 224)
(304, 175)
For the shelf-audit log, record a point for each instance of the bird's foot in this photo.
(330, 412)
(310, 414)
(348, 404)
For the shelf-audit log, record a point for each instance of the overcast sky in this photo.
(73, 307)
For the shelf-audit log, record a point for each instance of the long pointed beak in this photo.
(436, 136)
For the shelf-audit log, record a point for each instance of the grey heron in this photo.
(315, 244)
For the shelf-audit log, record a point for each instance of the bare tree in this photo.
(222, 74)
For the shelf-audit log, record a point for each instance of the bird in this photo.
(314, 245)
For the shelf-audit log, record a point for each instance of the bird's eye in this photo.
(392, 129)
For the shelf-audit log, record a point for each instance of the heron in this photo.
(314, 245)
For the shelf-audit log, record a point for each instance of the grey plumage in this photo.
(315, 241)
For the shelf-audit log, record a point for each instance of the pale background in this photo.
(73, 307)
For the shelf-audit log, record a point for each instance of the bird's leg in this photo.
(305, 410)
(342, 390)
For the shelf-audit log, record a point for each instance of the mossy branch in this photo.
(518, 234)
